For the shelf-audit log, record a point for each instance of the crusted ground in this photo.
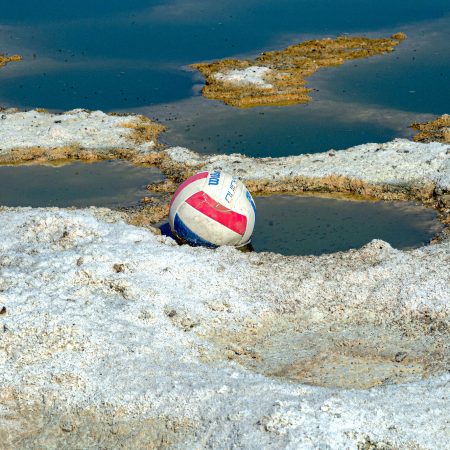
(278, 77)
(39, 136)
(396, 170)
(112, 336)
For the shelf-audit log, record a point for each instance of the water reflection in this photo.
(211, 127)
(311, 225)
(106, 183)
(304, 225)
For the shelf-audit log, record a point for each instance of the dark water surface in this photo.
(106, 183)
(132, 56)
(304, 225)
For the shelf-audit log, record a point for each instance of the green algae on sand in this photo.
(278, 77)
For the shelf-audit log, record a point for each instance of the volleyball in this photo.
(211, 209)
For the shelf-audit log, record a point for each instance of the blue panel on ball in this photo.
(249, 198)
(183, 232)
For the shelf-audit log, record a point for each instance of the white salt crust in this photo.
(133, 338)
(93, 130)
(253, 75)
(397, 163)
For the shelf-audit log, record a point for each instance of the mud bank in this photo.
(109, 337)
(278, 77)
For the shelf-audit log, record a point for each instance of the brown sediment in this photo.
(144, 131)
(347, 352)
(344, 185)
(49, 423)
(437, 130)
(67, 153)
(164, 186)
(148, 215)
(288, 69)
(7, 59)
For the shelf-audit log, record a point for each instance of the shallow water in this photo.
(105, 183)
(122, 56)
(287, 224)
(306, 225)
(312, 225)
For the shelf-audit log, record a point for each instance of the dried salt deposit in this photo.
(109, 328)
(399, 162)
(253, 75)
(75, 134)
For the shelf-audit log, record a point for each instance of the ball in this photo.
(211, 209)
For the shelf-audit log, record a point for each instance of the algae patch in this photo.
(278, 77)
(437, 130)
(144, 131)
(7, 59)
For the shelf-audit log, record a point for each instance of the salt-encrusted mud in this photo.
(437, 130)
(40, 136)
(278, 77)
(397, 170)
(113, 336)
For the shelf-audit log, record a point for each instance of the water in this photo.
(305, 225)
(106, 183)
(132, 56)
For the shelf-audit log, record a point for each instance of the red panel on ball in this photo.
(187, 182)
(202, 202)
